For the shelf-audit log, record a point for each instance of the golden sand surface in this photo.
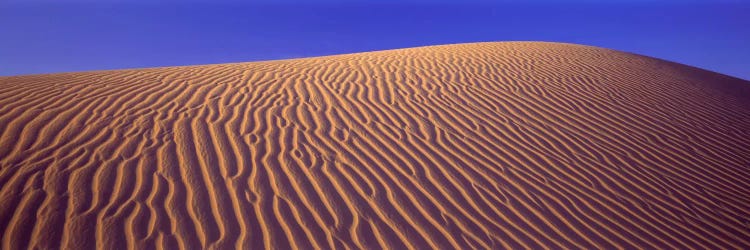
(483, 145)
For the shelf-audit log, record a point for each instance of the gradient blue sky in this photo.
(40, 36)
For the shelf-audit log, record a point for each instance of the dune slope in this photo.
(485, 145)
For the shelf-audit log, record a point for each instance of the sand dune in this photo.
(485, 145)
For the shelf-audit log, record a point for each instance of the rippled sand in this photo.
(484, 145)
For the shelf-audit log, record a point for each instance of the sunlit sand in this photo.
(484, 145)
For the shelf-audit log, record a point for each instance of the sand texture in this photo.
(483, 145)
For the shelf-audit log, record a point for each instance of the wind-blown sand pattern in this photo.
(485, 145)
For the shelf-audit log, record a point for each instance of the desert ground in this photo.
(483, 145)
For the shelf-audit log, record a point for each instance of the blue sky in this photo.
(43, 36)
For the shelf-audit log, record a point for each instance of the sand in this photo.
(483, 145)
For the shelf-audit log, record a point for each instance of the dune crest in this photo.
(483, 145)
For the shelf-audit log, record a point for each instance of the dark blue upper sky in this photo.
(38, 36)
